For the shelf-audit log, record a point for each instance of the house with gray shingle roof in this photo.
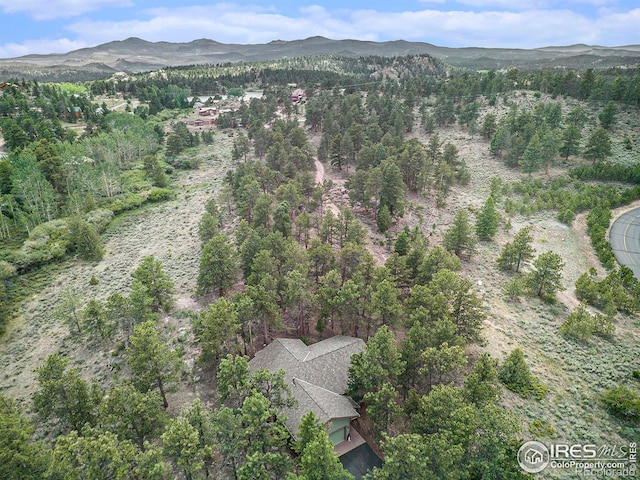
(317, 375)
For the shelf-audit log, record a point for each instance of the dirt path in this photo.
(167, 231)
(328, 204)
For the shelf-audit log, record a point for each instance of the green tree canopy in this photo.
(546, 276)
(218, 268)
(63, 395)
(459, 238)
(487, 220)
(152, 363)
(158, 284)
(216, 329)
(20, 456)
(598, 146)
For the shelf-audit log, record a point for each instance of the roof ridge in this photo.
(287, 348)
(354, 340)
(318, 386)
(311, 396)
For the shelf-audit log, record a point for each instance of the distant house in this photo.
(317, 375)
(207, 111)
(297, 95)
(75, 112)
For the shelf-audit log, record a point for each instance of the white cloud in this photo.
(227, 23)
(621, 28)
(60, 45)
(507, 4)
(51, 9)
(233, 23)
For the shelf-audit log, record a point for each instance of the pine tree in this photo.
(282, 219)
(533, 156)
(545, 277)
(393, 189)
(598, 146)
(151, 361)
(516, 376)
(64, 395)
(84, 239)
(481, 385)
(181, 442)
(208, 227)
(379, 363)
(383, 219)
(133, 415)
(608, 115)
(218, 267)
(570, 142)
(459, 238)
(216, 329)
(20, 457)
(516, 253)
(158, 284)
(487, 220)
(317, 458)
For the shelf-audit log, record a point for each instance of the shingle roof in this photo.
(317, 375)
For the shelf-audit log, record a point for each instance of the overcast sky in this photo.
(55, 26)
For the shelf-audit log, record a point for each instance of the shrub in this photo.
(581, 325)
(603, 326)
(99, 219)
(48, 241)
(84, 240)
(514, 289)
(622, 402)
(160, 194)
(540, 428)
(578, 325)
(128, 202)
(516, 376)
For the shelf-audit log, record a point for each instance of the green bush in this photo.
(622, 402)
(578, 325)
(47, 242)
(516, 376)
(128, 202)
(160, 194)
(99, 219)
(618, 291)
(581, 325)
(540, 428)
(514, 289)
(84, 240)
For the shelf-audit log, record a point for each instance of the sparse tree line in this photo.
(368, 136)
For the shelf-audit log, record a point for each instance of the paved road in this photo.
(625, 240)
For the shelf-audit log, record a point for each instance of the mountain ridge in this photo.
(142, 55)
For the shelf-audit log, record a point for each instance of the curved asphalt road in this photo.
(624, 237)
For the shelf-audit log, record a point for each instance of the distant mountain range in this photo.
(137, 55)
